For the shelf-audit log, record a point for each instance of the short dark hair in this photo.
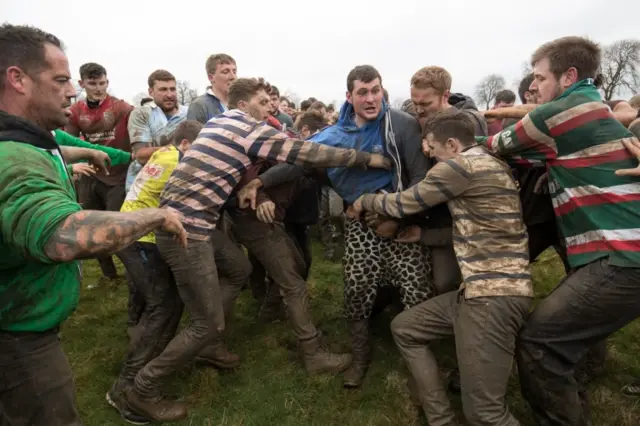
(160, 75)
(92, 70)
(304, 105)
(524, 87)
(243, 89)
(313, 119)
(218, 59)
(363, 73)
(312, 100)
(331, 107)
(451, 123)
(23, 46)
(274, 91)
(506, 96)
(284, 99)
(188, 129)
(145, 100)
(567, 52)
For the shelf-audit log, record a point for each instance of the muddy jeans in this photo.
(135, 272)
(36, 381)
(96, 195)
(284, 262)
(485, 331)
(209, 276)
(162, 307)
(593, 302)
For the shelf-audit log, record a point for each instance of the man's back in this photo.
(489, 236)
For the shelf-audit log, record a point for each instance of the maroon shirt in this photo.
(104, 125)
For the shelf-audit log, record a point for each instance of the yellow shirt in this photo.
(149, 183)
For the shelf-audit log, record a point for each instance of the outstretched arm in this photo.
(91, 233)
(116, 156)
(270, 144)
(40, 219)
(445, 181)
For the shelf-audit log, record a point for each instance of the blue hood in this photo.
(351, 183)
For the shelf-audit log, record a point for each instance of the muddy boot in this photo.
(156, 409)
(115, 398)
(217, 355)
(318, 359)
(359, 331)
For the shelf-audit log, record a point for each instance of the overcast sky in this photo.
(308, 48)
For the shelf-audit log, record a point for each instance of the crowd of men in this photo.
(445, 205)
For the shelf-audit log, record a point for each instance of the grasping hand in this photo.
(248, 195)
(173, 224)
(409, 235)
(266, 212)
(83, 169)
(354, 211)
(379, 161)
(542, 184)
(633, 145)
(100, 161)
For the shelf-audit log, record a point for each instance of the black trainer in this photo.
(120, 404)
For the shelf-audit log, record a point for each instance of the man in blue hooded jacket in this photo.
(372, 256)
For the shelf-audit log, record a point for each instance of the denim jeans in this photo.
(591, 303)
(36, 381)
(162, 307)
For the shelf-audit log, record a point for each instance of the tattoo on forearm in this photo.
(92, 233)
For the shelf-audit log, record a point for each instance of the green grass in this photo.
(271, 388)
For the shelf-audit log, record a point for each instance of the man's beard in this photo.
(171, 109)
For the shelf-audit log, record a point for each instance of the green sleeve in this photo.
(116, 156)
(33, 199)
(528, 140)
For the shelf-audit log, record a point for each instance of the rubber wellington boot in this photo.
(361, 350)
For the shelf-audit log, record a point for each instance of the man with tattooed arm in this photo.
(43, 230)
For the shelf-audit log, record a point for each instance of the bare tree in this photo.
(185, 93)
(487, 89)
(139, 97)
(397, 103)
(620, 62)
(293, 97)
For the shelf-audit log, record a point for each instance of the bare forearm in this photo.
(74, 154)
(143, 154)
(91, 233)
(510, 112)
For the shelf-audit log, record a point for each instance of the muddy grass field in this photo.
(271, 388)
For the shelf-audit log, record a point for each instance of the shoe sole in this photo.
(206, 361)
(112, 403)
